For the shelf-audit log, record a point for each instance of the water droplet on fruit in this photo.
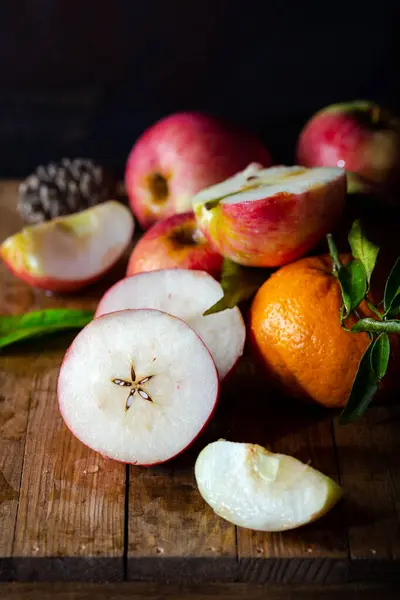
(340, 164)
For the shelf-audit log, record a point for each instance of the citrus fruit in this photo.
(296, 332)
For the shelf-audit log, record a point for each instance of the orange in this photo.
(296, 332)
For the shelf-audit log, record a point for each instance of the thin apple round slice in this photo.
(70, 252)
(137, 386)
(270, 217)
(185, 294)
(253, 488)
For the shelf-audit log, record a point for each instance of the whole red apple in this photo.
(360, 137)
(175, 242)
(180, 155)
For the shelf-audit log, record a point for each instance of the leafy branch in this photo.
(355, 281)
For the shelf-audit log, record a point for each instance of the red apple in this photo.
(175, 242)
(360, 137)
(70, 252)
(180, 155)
(269, 217)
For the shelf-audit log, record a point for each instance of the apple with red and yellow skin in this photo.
(175, 242)
(360, 137)
(180, 155)
(270, 217)
(71, 251)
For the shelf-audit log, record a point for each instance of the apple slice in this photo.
(70, 252)
(185, 294)
(269, 217)
(253, 488)
(137, 386)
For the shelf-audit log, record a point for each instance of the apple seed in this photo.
(142, 393)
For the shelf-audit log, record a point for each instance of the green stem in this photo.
(374, 309)
(333, 251)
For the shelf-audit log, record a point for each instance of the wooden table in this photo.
(67, 514)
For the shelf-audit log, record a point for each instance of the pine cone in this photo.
(63, 188)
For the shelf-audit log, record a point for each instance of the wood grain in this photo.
(142, 591)
(63, 515)
(368, 452)
(173, 534)
(14, 408)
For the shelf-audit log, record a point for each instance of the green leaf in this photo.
(365, 386)
(353, 282)
(363, 249)
(391, 300)
(374, 326)
(380, 355)
(39, 323)
(239, 283)
(334, 254)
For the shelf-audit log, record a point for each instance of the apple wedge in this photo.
(184, 294)
(269, 217)
(253, 488)
(137, 386)
(70, 252)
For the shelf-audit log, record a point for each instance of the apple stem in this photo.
(333, 251)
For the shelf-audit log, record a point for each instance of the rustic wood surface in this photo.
(235, 591)
(68, 514)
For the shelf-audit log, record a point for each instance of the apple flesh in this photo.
(180, 155)
(360, 137)
(69, 253)
(137, 386)
(184, 294)
(269, 217)
(253, 488)
(172, 243)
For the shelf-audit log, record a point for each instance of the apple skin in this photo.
(180, 155)
(358, 136)
(276, 230)
(49, 283)
(21, 253)
(175, 242)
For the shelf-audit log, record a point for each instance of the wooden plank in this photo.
(70, 520)
(317, 553)
(173, 535)
(13, 408)
(63, 517)
(368, 452)
(142, 591)
(13, 421)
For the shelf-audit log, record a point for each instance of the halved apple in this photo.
(70, 252)
(137, 386)
(253, 488)
(269, 217)
(184, 294)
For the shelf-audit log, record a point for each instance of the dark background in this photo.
(85, 78)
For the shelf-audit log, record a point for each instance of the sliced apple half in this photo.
(185, 294)
(269, 217)
(70, 252)
(137, 386)
(253, 488)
